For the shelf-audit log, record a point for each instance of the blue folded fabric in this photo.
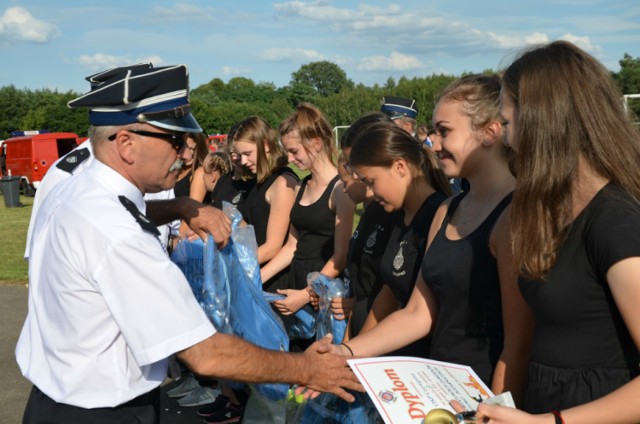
(227, 285)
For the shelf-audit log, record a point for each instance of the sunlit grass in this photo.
(14, 222)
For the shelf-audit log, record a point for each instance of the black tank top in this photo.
(463, 276)
(183, 186)
(258, 209)
(233, 191)
(315, 224)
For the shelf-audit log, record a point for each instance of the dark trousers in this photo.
(41, 409)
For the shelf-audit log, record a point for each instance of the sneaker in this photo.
(187, 386)
(229, 414)
(200, 396)
(213, 408)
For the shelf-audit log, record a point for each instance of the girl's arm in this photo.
(384, 305)
(399, 329)
(511, 369)
(344, 209)
(282, 259)
(281, 196)
(619, 406)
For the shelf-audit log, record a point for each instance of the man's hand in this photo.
(331, 373)
(204, 220)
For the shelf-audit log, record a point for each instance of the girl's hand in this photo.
(341, 307)
(295, 300)
(496, 414)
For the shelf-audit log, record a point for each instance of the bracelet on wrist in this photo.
(348, 348)
(558, 417)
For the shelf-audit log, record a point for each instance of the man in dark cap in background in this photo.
(107, 307)
(403, 111)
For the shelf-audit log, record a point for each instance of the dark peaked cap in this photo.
(397, 107)
(140, 93)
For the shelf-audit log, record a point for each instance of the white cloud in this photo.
(233, 72)
(182, 12)
(291, 54)
(18, 24)
(102, 61)
(396, 62)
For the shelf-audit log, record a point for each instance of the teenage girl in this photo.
(269, 203)
(369, 239)
(466, 296)
(406, 179)
(576, 237)
(322, 215)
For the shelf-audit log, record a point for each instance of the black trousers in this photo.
(41, 409)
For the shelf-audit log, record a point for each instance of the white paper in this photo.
(405, 389)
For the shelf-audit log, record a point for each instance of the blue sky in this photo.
(55, 44)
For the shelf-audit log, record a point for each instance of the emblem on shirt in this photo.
(371, 241)
(73, 159)
(236, 198)
(355, 235)
(398, 261)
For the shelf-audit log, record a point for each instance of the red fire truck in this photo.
(29, 154)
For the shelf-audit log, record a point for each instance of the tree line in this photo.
(218, 105)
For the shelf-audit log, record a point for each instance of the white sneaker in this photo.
(188, 385)
(200, 396)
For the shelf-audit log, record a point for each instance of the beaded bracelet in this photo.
(558, 416)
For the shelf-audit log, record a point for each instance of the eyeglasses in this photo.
(177, 141)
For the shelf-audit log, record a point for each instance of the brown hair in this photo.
(379, 144)
(202, 150)
(566, 107)
(257, 131)
(310, 123)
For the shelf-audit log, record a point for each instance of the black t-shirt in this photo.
(233, 191)
(402, 257)
(366, 247)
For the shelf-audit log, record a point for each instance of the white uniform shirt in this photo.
(56, 175)
(107, 307)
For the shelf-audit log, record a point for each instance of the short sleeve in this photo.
(612, 232)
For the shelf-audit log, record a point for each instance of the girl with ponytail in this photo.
(466, 297)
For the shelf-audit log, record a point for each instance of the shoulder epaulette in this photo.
(139, 216)
(71, 161)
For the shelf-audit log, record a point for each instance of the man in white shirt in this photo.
(107, 307)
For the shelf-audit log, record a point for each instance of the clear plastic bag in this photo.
(228, 287)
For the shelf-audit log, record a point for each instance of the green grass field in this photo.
(13, 227)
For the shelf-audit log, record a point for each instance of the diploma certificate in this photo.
(405, 389)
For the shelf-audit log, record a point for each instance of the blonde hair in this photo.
(310, 123)
(217, 161)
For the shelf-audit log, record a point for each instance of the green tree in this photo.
(324, 77)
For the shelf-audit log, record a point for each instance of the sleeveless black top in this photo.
(315, 224)
(256, 207)
(463, 276)
(402, 257)
(183, 186)
(233, 191)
